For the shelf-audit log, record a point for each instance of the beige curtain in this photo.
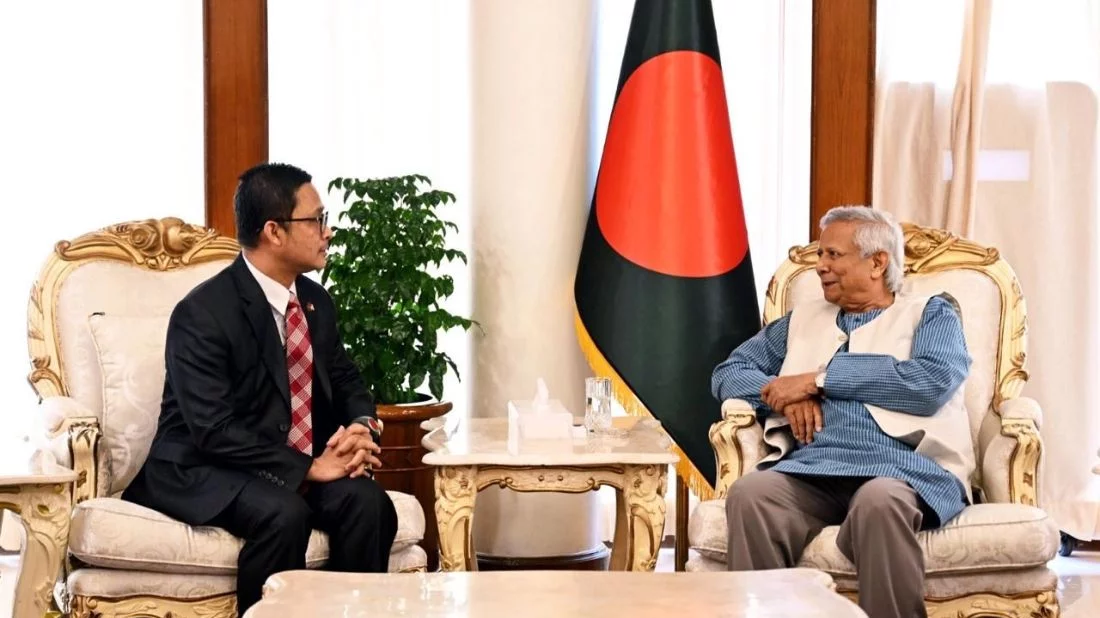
(1005, 152)
(966, 118)
(914, 114)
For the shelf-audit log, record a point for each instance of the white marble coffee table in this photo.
(476, 454)
(39, 494)
(553, 594)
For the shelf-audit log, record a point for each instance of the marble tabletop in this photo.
(35, 471)
(582, 594)
(36, 488)
(484, 441)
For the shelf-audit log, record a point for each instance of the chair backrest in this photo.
(994, 315)
(97, 319)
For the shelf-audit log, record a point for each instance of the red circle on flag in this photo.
(668, 197)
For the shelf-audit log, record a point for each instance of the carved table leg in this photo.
(640, 521)
(44, 510)
(455, 493)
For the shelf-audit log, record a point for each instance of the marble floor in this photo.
(1079, 584)
(1079, 581)
(9, 567)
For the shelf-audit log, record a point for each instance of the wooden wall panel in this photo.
(235, 62)
(843, 105)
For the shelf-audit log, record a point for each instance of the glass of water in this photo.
(597, 406)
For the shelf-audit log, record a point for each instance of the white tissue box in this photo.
(547, 429)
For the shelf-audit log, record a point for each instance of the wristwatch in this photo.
(373, 425)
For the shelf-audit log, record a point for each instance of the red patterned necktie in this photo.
(299, 364)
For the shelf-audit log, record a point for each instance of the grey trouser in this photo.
(772, 517)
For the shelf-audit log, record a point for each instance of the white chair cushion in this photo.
(116, 583)
(936, 587)
(113, 288)
(953, 586)
(707, 533)
(130, 352)
(120, 584)
(982, 537)
(116, 534)
(412, 558)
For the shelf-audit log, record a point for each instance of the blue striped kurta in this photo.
(851, 444)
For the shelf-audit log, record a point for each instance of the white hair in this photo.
(876, 231)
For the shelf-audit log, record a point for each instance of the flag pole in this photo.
(681, 552)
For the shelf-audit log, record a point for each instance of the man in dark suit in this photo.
(266, 428)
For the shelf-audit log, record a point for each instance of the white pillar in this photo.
(530, 71)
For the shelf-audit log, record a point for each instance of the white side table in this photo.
(476, 456)
(40, 496)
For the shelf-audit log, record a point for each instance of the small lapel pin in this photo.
(309, 306)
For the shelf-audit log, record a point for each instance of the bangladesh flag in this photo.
(664, 287)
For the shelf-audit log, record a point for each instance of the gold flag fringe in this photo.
(695, 480)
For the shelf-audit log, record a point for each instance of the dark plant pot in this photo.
(402, 469)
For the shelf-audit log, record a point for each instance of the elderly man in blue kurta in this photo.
(860, 397)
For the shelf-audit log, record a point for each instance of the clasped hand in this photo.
(795, 397)
(349, 452)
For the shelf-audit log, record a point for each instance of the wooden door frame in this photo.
(843, 103)
(235, 100)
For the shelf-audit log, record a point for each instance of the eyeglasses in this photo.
(321, 220)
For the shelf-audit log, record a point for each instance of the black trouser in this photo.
(275, 524)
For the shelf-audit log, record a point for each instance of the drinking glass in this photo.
(597, 407)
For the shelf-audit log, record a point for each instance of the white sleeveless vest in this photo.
(813, 338)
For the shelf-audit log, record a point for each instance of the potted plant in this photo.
(380, 275)
(381, 280)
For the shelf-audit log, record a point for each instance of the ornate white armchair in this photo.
(991, 559)
(97, 321)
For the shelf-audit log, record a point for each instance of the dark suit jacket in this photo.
(225, 412)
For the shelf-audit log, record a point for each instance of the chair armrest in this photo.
(738, 443)
(56, 412)
(1022, 408)
(1011, 459)
(73, 439)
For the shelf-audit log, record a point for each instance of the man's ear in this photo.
(273, 232)
(879, 261)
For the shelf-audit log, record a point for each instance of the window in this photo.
(379, 89)
(93, 132)
(1026, 124)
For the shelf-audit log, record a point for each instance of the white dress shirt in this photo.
(277, 296)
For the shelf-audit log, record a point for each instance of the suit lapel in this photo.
(258, 311)
(320, 368)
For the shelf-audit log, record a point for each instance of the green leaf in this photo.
(435, 385)
(386, 245)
